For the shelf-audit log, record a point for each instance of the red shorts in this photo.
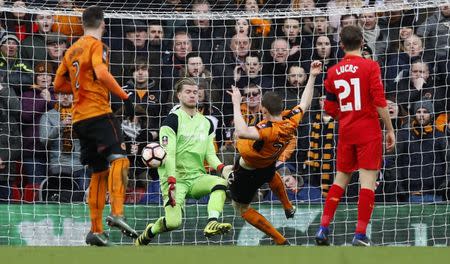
(351, 157)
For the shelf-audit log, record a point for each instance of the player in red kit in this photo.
(355, 97)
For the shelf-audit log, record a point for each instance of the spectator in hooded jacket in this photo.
(17, 73)
(422, 157)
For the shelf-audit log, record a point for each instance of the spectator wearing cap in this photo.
(56, 47)
(18, 74)
(35, 102)
(68, 25)
(422, 157)
(134, 44)
(56, 134)
(34, 46)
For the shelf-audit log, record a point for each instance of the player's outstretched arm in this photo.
(168, 140)
(211, 156)
(305, 101)
(61, 83)
(108, 81)
(242, 130)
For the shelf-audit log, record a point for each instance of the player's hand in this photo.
(172, 181)
(316, 68)
(390, 141)
(128, 107)
(236, 96)
(129, 87)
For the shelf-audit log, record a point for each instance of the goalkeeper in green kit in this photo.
(188, 138)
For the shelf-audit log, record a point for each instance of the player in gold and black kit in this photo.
(260, 147)
(84, 72)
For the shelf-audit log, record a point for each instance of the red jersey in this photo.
(354, 91)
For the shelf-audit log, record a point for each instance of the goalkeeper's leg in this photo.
(173, 214)
(216, 187)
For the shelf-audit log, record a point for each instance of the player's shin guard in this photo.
(277, 187)
(331, 204)
(118, 176)
(216, 201)
(365, 207)
(257, 220)
(97, 199)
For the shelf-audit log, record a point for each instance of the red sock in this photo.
(365, 207)
(331, 203)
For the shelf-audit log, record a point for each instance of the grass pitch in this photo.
(223, 254)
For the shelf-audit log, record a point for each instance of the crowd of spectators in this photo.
(39, 153)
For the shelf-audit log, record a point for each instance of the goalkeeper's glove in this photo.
(128, 108)
(219, 169)
(172, 181)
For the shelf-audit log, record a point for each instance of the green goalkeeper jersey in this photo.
(188, 141)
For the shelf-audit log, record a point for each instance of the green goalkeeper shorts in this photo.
(193, 188)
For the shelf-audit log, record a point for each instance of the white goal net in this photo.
(258, 46)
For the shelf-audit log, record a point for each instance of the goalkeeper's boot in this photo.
(322, 236)
(215, 228)
(290, 212)
(119, 222)
(145, 237)
(361, 240)
(98, 239)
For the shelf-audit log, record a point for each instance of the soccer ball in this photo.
(153, 155)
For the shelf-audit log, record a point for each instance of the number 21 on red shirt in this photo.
(356, 105)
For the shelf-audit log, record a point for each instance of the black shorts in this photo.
(99, 137)
(243, 184)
